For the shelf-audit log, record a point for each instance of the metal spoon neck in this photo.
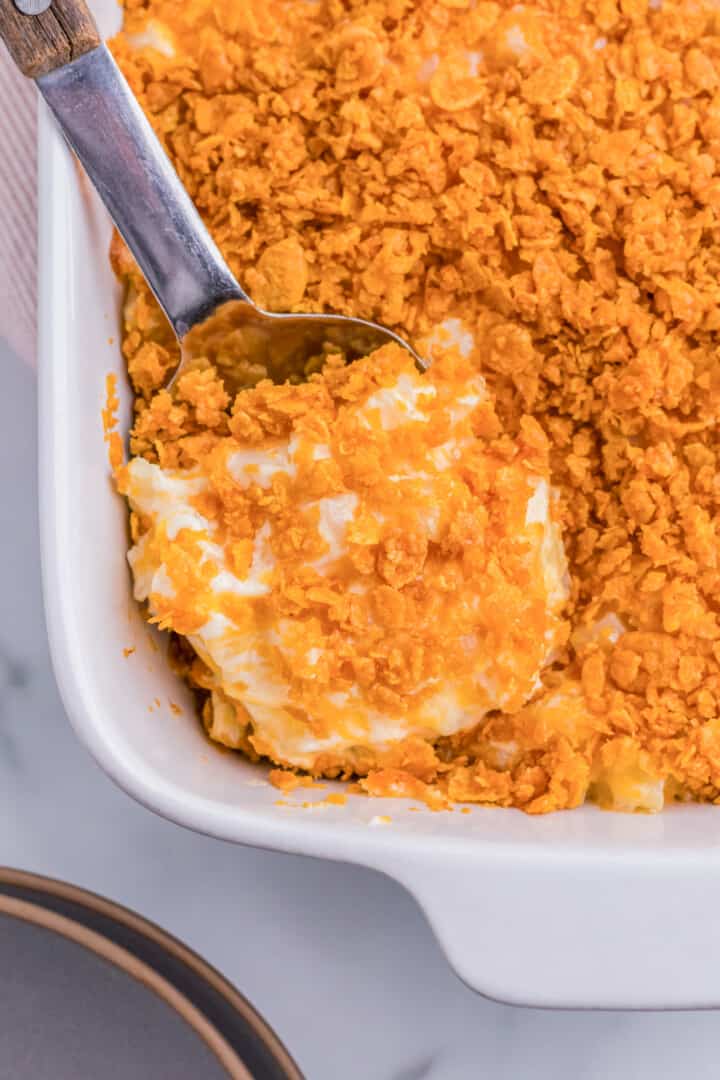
(109, 133)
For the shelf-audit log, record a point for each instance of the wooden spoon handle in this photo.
(40, 43)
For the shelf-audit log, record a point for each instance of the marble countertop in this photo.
(340, 960)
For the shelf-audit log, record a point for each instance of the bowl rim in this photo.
(196, 991)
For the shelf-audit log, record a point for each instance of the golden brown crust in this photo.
(547, 174)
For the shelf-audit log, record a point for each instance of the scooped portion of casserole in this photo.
(359, 559)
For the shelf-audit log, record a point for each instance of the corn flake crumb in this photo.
(288, 781)
(111, 435)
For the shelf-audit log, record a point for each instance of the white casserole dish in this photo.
(583, 908)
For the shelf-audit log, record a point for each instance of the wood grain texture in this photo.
(40, 43)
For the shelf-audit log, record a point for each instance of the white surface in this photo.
(339, 959)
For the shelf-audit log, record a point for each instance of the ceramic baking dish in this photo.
(582, 908)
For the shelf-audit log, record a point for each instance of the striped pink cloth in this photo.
(18, 230)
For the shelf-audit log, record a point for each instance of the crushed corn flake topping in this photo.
(548, 175)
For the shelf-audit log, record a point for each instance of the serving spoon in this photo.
(57, 43)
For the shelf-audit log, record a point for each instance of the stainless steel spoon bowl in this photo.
(60, 47)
